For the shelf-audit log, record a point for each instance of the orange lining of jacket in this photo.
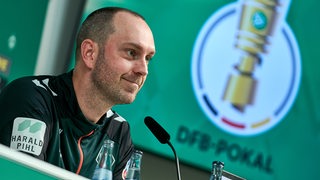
(81, 152)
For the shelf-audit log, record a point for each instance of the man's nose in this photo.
(141, 67)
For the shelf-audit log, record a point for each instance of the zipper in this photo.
(81, 152)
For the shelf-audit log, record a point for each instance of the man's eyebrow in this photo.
(139, 47)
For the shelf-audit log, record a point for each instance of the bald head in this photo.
(99, 25)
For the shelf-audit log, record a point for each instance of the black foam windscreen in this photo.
(157, 130)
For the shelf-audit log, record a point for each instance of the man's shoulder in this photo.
(33, 88)
(28, 80)
(119, 130)
(119, 118)
(25, 97)
(116, 118)
(117, 123)
(28, 84)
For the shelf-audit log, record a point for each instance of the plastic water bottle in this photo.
(217, 169)
(106, 160)
(133, 172)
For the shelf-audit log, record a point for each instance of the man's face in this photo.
(121, 70)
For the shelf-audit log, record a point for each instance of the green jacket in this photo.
(39, 115)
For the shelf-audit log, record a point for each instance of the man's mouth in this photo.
(137, 82)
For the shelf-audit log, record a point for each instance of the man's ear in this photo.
(89, 52)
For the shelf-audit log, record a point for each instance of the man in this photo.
(65, 119)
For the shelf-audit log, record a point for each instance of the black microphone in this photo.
(157, 130)
(163, 137)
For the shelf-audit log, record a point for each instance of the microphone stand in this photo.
(163, 137)
(177, 160)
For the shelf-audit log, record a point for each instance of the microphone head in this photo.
(157, 130)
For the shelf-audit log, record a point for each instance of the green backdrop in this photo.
(288, 150)
(20, 34)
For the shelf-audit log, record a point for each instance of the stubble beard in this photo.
(106, 85)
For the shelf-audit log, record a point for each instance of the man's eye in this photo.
(132, 53)
(148, 58)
